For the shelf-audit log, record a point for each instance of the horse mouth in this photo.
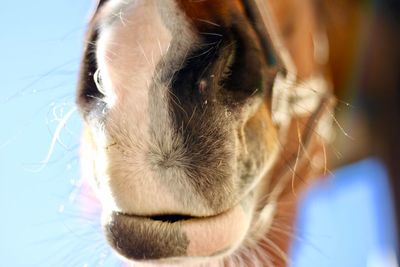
(175, 237)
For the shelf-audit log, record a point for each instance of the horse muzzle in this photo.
(174, 238)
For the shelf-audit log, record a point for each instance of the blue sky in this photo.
(41, 222)
(40, 48)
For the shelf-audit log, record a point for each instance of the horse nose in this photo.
(228, 73)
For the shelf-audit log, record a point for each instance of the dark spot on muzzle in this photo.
(141, 238)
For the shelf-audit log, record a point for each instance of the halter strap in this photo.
(302, 111)
(290, 98)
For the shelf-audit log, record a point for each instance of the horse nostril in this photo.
(171, 218)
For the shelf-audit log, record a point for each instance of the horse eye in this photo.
(99, 82)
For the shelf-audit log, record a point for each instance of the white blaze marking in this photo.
(129, 49)
(131, 44)
(133, 41)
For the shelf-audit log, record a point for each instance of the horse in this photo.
(204, 121)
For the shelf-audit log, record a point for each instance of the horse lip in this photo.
(141, 238)
(153, 238)
(171, 218)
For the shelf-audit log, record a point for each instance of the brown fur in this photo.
(210, 141)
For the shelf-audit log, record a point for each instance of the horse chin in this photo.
(176, 239)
